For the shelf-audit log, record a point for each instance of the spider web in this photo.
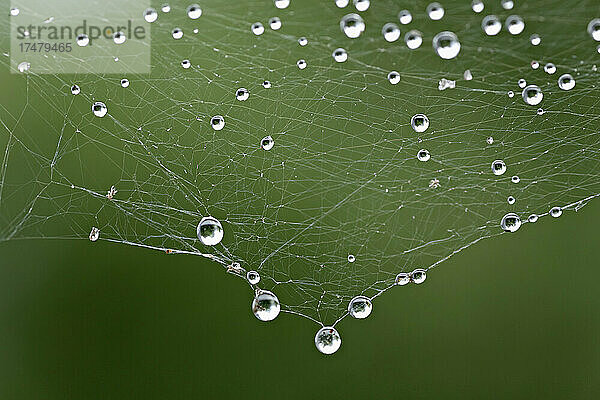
(343, 177)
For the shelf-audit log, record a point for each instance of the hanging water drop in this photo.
(217, 122)
(75, 90)
(514, 24)
(281, 4)
(253, 277)
(124, 82)
(339, 55)
(265, 306)
(419, 123)
(510, 222)
(390, 32)
(402, 279)
(556, 212)
(275, 23)
(242, 94)
(362, 5)
(194, 11)
(328, 340)
(301, 63)
(418, 276)
(498, 167)
(82, 40)
(550, 68)
(393, 77)
(352, 25)
(566, 82)
(209, 231)
(99, 109)
(302, 41)
(177, 33)
(477, 6)
(150, 15)
(413, 39)
(257, 28)
(532, 95)
(267, 143)
(435, 11)
(423, 155)
(360, 307)
(446, 45)
(491, 25)
(593, 29)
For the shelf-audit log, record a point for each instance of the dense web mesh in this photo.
(343, 177)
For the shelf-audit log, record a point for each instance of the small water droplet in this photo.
(419, 123)
(510, 222)
(435, 11)
(217, 122)
(99, 109)
(498, 167)
(491, 25)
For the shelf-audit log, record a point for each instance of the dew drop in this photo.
(498, 167)
(351, 258)
(423, 155)
(99, 109)
(511, 200)
(24, 66)
(593, 29)
(507, 4)
(446, 45)
(177, 33)
(186, 64)
(119, 37)
(511, 94)
(265, 306)
(75, 89)
(341, 3)
(535, 39)
(402, 279)
(418, 276)
(257, 28)
(253, 277)
(303, 41)
(275, 23)
(515, 179)
(566, 82)
(393, 77)
(435, 11)
(166, 8)
(413, 39)
(339, 55)
(532, 218)
(266, 84)
(491, 25)
(468, 75)
(352, 25)
(267, 143)
(477, 6)
(14, 12)
(405, 17)
(362, 5)
(124, 82)
(532, 95)
(328, 340)
(281, 4)
(150, 15)
(522, 83)
(390, 32)
(514, 24)
(510, 222)
(82, 40)
(419, 123)
(550, 68)
(242, 94)
(556, 212)
(360, 307)
(194, 11)
(94, 234)
(301, 63)
(535, 64)
(217, 122)
(209, 231)
(490, 140)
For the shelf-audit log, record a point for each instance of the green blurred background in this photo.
(514, 317)
(511, 318)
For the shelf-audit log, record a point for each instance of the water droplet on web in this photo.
(477, 6)
(150, 15)
(165, 8)
(511, 200)
(360, 307)
(281, 4)
(339, 55)
(522, 83)
(265, 306)
(405, 17)
(515, 179)
(186, 64)
(514, 24)
(419, 123)
(540, 111)
(550, 68)
(99, 109)
(511, 94)
(413, 39)
(24, 66)
(14, 12)
(303, 41)
(532, 218)
(342, 3)
(510, 222)
(390, 32)
(217, 122)
(351, 258)
(393, 77)
(435, 11)
(491, 25)
(352, 25)
(301, 63)
(209, 231)
(194, 11)
(75, 90)
(468, 75)
(328, 340)
(593, 29)
(267, 143)
(444, 84)
(402, 279)
(94, 234)
(446, 45)
(257, 28)
(556, 212)
(566, 82)
(242, 94)
(490, 140)
(498, 167)
(253, 277)
(532, 95)
(423, 155)
(177, 33)
(266, 84)
(275, 23)
(119, 37)
(82, 40)
(535, 65)
(508, 4)
(362, 5)
(535, 39)
(124, 82)
(418, 276)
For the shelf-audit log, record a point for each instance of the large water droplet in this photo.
(99, 109)
(419, 122)
(275, 23)
(390, 32)
(194, 11)
(514, 24)
(209, 231)
(362, 5)
(491, 25)
(405, 17)
(446, 45)
(498, 167)
(435, 11)
(177, 33)
(566, 82)
(150, 15)
(328, 340)
(413, 39)
(242, 94)
(532, 95)
(510, 222)
(352, 25)
(418, 276)
(257, 28)
(265, 306)
(550, 68)
(217, 122)
(593, 29)
(360, 307)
